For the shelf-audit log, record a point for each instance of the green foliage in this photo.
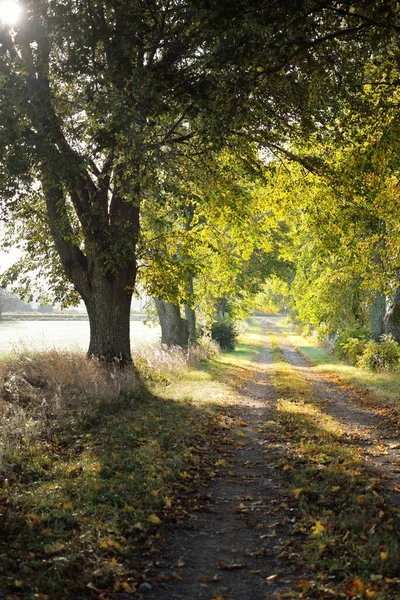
(351, 332)
(381, 356)
(225, 333)
(353, 348)
(274, 295)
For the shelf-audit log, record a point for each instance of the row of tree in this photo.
(344, 220)
(136, 137)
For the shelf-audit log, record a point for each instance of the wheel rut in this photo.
(231, 549)
(365, 427)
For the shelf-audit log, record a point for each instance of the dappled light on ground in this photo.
(232, 480)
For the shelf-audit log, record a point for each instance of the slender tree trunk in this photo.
(392, 317)
(221, 308)
(377, 316)
(174, 329)
(190, 315)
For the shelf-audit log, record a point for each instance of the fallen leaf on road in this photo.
(154, 519)
(229, 566)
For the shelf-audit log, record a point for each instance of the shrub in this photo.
(381, 356)
(353, 348)
(225, 333)
(353, 332)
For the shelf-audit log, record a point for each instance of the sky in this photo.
(8, 258)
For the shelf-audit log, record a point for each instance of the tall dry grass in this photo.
(45, 393)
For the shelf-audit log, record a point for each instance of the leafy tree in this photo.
(344, 218)
(97, 94)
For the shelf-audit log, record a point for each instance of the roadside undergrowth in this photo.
(92, 463)
(95, 465)
(380, 389)
(344, 528)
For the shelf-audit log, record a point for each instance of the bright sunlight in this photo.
(10, 12)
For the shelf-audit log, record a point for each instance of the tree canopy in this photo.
(101, 96)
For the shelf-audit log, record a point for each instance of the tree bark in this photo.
(190, 315)
(221, 308)
(392, 317)
(107, 295)
(376, 316)
(109, 308)
(174, 329)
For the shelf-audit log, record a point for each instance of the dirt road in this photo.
(237, 546)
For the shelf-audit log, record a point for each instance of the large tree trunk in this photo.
(392, 317)
(106, 294)
(376, 316)
(109, 315)
(174, 329)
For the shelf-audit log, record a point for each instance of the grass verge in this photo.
(383, 388)
(94, 465)
(91, 464)
(344, 527)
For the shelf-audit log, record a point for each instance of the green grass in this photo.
(384, 388)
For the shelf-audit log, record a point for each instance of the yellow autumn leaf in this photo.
(53, 548)
(108, 543)
(32, 519)
(242, 506)
(127, 587)
(287, 467)
(384, 555)
(370, 593)
(318, 528)
(335, 488)
(220, 463)
(297, 492)
(154, 519)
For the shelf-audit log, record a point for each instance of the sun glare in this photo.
(10, 12)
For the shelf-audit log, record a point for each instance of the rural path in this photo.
(233, 548)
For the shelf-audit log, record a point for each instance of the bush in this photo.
(354, 332)
(381, 356)
(225, 333)
(353, 349)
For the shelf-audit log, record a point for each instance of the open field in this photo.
(60, 334)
